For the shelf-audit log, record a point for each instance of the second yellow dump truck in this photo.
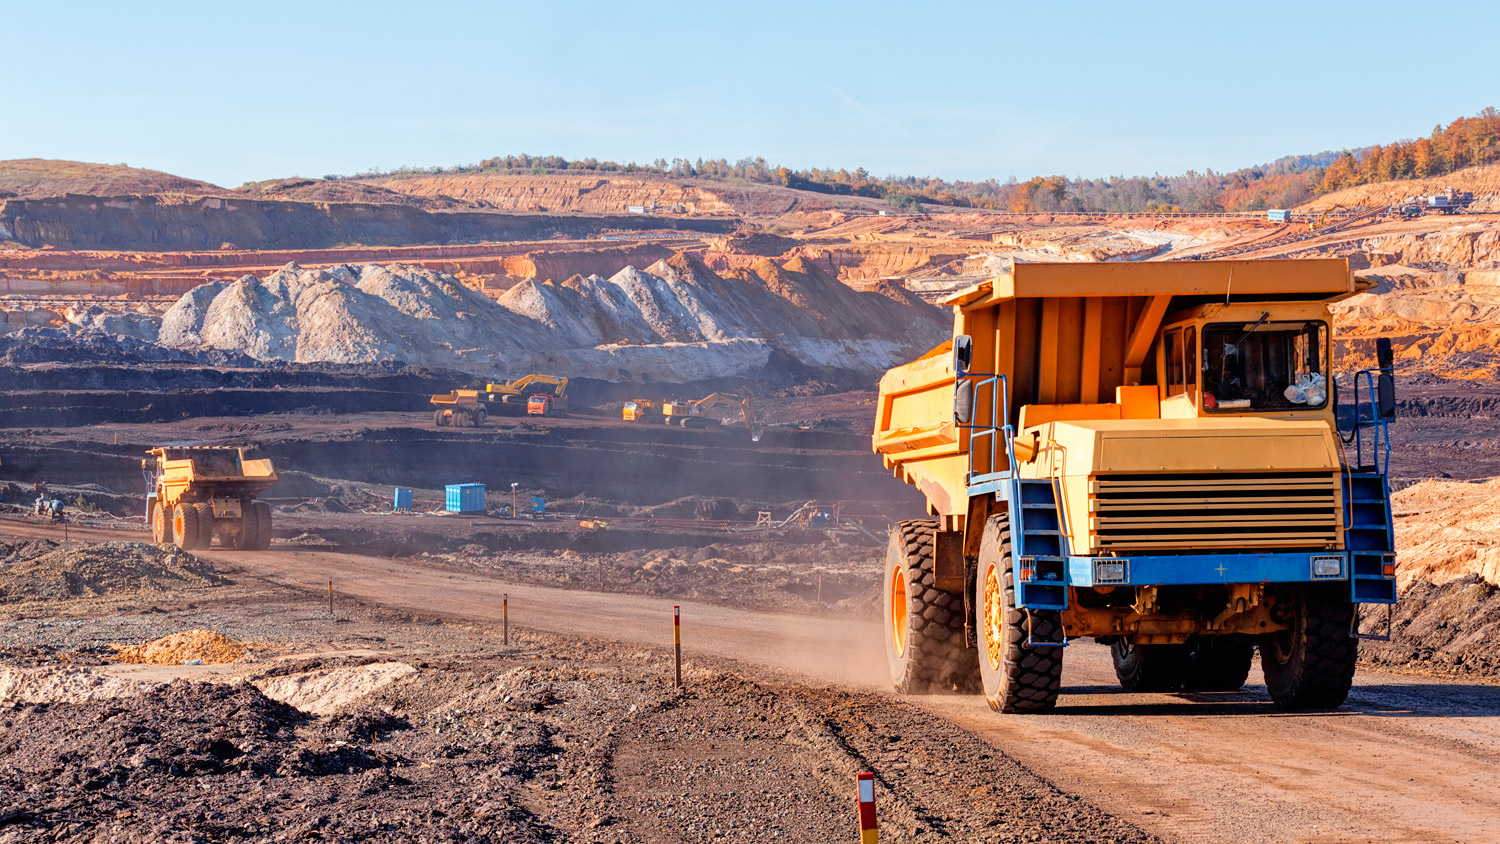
(1147, 454)
(197, 493)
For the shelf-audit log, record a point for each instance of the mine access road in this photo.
(1407, 759)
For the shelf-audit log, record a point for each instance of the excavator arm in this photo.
(747, 410)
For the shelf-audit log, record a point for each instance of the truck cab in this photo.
(1148, 455)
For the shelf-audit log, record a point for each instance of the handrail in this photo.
(999, 412)
(1380, 440)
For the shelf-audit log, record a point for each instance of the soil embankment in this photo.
(184, 223)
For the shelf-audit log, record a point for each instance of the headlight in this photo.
(1327, 566)
(1111, 571)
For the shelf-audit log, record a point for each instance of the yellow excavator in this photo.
(1322, 219)
(693, 414)
(472, 408)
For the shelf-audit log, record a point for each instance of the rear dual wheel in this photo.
(193, 526)
(1203, 664)
(255, 526)
(925, 645)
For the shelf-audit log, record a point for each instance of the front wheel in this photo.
(1016, 677)
(1311, 666)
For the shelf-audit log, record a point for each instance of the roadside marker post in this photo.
(869, 828)
(330, 598)
(677, 641)
(505, 616)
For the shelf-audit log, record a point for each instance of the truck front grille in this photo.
(1220, 511)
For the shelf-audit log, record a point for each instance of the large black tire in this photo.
(262, 513)
(924, 625)
(1149, 668)
(1015, 678)
(481, 416)
(244, 535)
(439, 419)
(185, 526)
(1311, 666)
(1217, 663)
(205, 524)
(161, 524)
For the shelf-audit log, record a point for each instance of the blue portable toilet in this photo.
(465, 498)
(402, 498)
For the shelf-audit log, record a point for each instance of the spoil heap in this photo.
(348, 315)
(45, 572)
(675, 321)
(1448, 570)
(207, 646)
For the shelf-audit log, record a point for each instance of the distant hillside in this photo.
(35, 178)
(1286, 182)
(1483, 182)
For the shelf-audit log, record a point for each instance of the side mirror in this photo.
(1384, 357)
(963, 352)
(1385, 396)
(963, 402)
(1385, 382)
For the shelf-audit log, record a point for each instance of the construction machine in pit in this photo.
(1148, 454)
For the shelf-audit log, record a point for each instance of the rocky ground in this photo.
(372, 725)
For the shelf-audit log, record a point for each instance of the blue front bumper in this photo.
(1363, 571)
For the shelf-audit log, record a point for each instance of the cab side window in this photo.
(1173, 352)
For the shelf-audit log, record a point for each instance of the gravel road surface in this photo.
(1409, 759)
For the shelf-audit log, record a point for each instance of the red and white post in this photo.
(869, 828)
(677, 641)
(505, 615)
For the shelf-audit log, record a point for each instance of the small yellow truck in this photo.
(195, 493)
(1147, 454)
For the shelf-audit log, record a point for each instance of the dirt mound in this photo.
(1446, 530)
(348, 314)
(107, 568)
(30, 178)
(327, 690)
(675, 321)
(204, 646)
(65, 685)
(1452, 627)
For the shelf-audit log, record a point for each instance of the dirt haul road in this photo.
(1407, 760)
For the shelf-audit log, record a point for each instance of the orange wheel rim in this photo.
(994, 619)
(898, 611)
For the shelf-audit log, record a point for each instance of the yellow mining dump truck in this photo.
(194, 493)
(640, 410)
(472, 408)
(1147, 454)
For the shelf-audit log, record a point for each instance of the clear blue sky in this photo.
(235, 91)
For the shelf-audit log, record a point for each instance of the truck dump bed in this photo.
(224, 471)
(1070, 339)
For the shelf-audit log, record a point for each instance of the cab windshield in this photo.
(1265, 365)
